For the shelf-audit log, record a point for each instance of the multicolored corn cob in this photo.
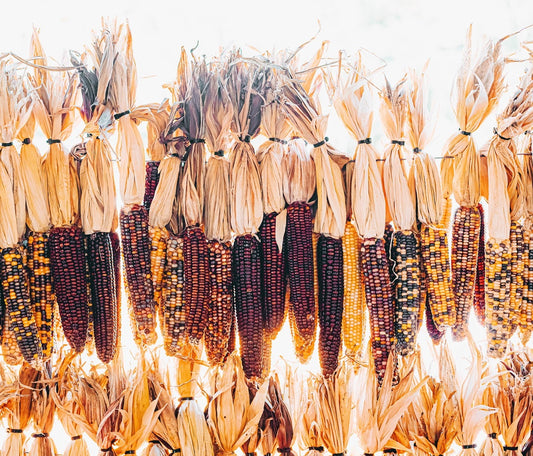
(354, 318)
(389, 231)
(150, 183)
(41, 293)
(436, 264)
(479, 293)
(404, 254)
(330, 301)
(10, 349)
(19, 307)
(434, 333)
(246, 267)
(68, 264)
(103, 295)
(517, 273)
(301, 277)
(158, 237)
(136, 254)
(273, 277)
(221, 312)
(497, 299)
(380, 301)
(465, 247)
(197, 291)
(526, 312)
(232, 340)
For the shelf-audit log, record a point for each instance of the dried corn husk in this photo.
(310, 432)
(299, 178)
(269, 423)
(493, 426)
(157, 118)
(43, 413)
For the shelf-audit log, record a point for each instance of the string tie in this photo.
(417, 150)
(365, 141)
(398, 141)
(246, 139)
(53, 141)
(75, 437)
(466, 133)
(7, 144)
(42, 435)
(197, 141)
(500, 136)
(14, 431)
(278, 140)
(493, 435)
(321, 143)
(122, 114)
(219, 153)
(508, 448)
(187, 398)
(470, 446)
(174, 451)
(316, 448)
(26, 141)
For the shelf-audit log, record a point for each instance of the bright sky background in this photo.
(405, 33)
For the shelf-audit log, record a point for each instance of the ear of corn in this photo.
(246, 265)
(10, 349)
(526, 312)
(158, 237)
(267, 355)
(221, 313)
(136, 254)
(434, 332)
(479, 293)
(330, 301)
(68, 264)
(115, 244)
(103, 295)
(273, 277)
(232, 339)
(465, 247)
(389, 231)
(150, 184)
(41, 294)
(517, 274)
(354, 318)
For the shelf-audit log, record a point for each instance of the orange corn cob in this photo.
(158, 237)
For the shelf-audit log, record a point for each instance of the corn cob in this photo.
(103, 295)
(18, 305)
(498, 289)
(526, 312)
(479, 293)
(136, 254)
(150, 183)
(465, 247)
(10, 349)
(246, 265)
(158, 237)
(220, 316)
(41, 294)
(301, 277)
(232, 339)
(423, 294)
(115, 245)
(330, 301)
(172, 305)
(517, 273)
(432, 329)
(389, 231)
(197, 291)
(436, 264)
(273, 275)
(379, 299)
(353, 320)
(446, 213)
(68, 262)
(404, 253)
(267, 354)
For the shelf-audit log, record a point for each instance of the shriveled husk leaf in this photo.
(284, 424)
(493, 425)
(299, 178)
(311, 434)
(477, 89)
(269, 423)
(527, 175)
(157, 117)
(43, 414)
(232, 416)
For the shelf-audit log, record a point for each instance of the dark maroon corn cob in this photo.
(273, 277)
(104, 295)
(267, 354)
(300, 271)
(232, 340)
(136, 249)
(246, 266)
(435, 334)
(197, 290)
(479, 293)
(115, 244)
(68, 262)
(330, 301)
(152, 179)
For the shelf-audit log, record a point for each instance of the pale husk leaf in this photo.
(299, 179)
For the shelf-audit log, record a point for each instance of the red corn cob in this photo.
(330, 301)
(197, 290)
(115, 245)
(273, 277)
(246, 266)
(152, 179)
(479, 294)
(136, 254)
(232, 340)
(68, 262)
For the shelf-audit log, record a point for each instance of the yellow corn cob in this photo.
(353, 320)
(158, 256)
(446, 213)
(517, 273)
(526, 312)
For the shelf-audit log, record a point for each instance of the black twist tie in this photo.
(154, 442)
(417, 150)
(339, 454)
(278, 140)
(76, 437)
(249, 454)
(284, 450)
(466, 133)
(8, 144)
(122, 114)
(14, 431)
(176, 450)
(316, 448)
(268, 454)
(187, 398)
(129, 452)
(26, 141)
(398, 141)
(219, 153)
(246, 139)
(468, 447)
(53, 141)
(106, 450)
(508, 448)
(500, 136)
(390, 450)
(197, 141)
(42, 435)
(368, 454)
(493, 435)
(365, 141)
(321, 143)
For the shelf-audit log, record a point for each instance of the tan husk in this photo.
(157, 117)
(43, 414)
(311, 434)
(299, 179)
(493, 424)
(527, 174)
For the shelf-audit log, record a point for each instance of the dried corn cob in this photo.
(432, 329)
(498, 288)
(389, 231)
(423, 297)
(465, 247)
(404, 253)
(173, 319)
(68, 264)
(197, 291)
(354, 318)
(330, 301)
(10, 349)
(158, 237)
(267, 355)
(246, 265)
(41, 294)
(479, 293)
(436, 264)
(232, 340)
(136, 254)
(446, 213)
(152, 179)
(379, 299)
(221, 313)
(273, 275)
(526, 312)
(18, 305)
(115, 245)
(103, 295)
(517, 274)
